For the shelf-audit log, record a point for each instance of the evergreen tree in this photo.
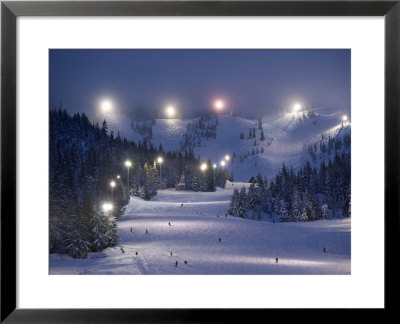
(181, 185)
(296, 206)
(262, 137)
(283, 212)
(105, 232)
(242, 205)
(233, 207)
(324, 211)
(252, 197)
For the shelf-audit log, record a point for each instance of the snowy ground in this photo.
(286, 137)
(247, 247)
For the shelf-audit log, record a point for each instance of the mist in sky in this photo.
(249, 82)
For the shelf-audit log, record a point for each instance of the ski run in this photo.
(188, 233)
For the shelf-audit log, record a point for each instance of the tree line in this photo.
(309, 194)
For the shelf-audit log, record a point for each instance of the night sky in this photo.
(249, 81)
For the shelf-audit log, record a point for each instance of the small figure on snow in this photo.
(147, 232)
(176, 263)
(226, 214)
(169, 223)
(324, 250)
(273, 221)
(122, 250)
(219, 240)
(276, 260)
(131, 229)
(182, 205)
(137, 253)
(170, 253)
(185, 262)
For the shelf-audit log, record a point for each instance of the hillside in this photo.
(286, 140)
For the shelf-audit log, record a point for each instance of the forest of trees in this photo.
(204, 127)
(306, 195)
(85, 158)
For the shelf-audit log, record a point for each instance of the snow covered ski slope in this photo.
(286, 139)
(190, 224)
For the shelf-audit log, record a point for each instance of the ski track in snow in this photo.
(247, 246)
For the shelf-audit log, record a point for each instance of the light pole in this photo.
(160, 160)
(203, 168)
(128, 164)
(223, 163)
(214, 167)
(112, 185)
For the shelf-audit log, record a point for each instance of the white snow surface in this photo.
(286, 138)
(246, 247)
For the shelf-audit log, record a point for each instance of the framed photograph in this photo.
(179, 161)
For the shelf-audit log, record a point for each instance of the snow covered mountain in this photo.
(254, 147)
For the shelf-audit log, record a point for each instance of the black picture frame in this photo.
(10, 10)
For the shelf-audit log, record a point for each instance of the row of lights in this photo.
(107, 207)
(219, 104)
(203, 166)
(297, 107)
(170, 110)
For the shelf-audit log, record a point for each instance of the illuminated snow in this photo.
(247, 247)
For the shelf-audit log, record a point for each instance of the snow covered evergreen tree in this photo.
(242, 205)
(324, 211)
(252, 197)
(233, 207)
(181, 185)
(284, 213)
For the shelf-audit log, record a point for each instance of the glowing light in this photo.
(160, 160)
(214, 165)
(344, 118)
(222, 163)
(112, 184)
(128, 163)
(296, 107)
(107, 207)
(219, 104)
(227, 157)
(170, 111)
(203, 167)
(118, 177)
(106, 106)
